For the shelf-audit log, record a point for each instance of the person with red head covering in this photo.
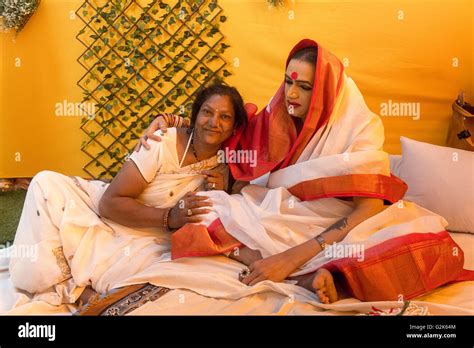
(319, 210)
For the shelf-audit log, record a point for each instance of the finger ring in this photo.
(190, 212)
(244, 273)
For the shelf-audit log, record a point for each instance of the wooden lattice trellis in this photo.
(142, 58)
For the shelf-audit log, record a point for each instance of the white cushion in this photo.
(440, 179)
(395, 162)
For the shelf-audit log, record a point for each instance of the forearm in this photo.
(131, 213)
(238, 186)
(304, 252)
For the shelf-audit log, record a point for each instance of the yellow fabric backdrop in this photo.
(403, 51)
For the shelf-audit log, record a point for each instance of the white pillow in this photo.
(440, 179)
(395, 162)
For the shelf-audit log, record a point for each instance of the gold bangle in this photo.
(166, 216)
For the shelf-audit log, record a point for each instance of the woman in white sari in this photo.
(92, 234)
(327, 180)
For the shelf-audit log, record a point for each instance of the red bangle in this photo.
(177, 121)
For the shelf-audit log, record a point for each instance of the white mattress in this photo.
(453, 299)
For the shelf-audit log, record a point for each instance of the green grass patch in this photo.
(11, 205)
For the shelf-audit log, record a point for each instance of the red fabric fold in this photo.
(198, 240)
(273, 134)
(390, 188)
(402, 268)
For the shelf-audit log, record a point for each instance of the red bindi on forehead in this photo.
(294, 75)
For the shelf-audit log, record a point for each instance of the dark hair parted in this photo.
(217, 88)
(308, 55)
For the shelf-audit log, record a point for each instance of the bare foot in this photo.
(323, 285)
(245, 255)
(321, 282)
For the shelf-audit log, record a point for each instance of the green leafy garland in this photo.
(14, 14)
(143, 58)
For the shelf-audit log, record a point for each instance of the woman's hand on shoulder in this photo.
(159, 123)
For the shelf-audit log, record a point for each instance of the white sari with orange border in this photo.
(406, 250)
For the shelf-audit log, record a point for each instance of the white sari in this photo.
(300, 201)
(73, 247)
(272, 218)
(78, 248)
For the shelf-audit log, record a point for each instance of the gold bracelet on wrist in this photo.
(166, 216)
(321, 241)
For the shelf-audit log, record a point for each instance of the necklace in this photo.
(192, 148)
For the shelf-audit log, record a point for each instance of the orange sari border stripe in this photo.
(198, 240)
(220, 236)
(380, 186)
(402, 268)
